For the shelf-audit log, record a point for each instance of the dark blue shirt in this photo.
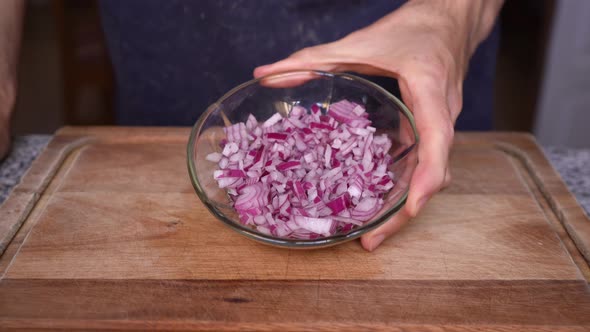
(173, 58)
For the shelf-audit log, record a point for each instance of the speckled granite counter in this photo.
(574, 167)
(24, 150)
(572, 164)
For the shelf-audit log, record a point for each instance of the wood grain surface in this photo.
(106, 232)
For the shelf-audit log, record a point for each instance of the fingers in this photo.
(317, 58)
(308, 58)
(435, 127)
(373, 239)
(334, 57)
(288, 80)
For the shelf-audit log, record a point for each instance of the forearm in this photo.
(11, 18)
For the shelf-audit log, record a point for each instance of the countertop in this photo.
(572, 164)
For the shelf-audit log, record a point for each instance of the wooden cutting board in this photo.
(105, 232)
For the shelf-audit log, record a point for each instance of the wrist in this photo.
(475, 17)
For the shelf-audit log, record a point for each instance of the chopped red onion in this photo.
(307, 175)
(214, 157)
(272, 120)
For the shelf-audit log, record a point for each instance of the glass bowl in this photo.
(268, 95)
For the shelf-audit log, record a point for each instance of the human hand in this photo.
(426, 45)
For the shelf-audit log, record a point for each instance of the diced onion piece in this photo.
(323, 226)
(214, 157)
(272, 120)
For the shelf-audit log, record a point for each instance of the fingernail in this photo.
(376, 241)
(258, 70)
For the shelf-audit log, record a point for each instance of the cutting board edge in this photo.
(127, 134)
(26, 194)
(197, 325)
(561, 200)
